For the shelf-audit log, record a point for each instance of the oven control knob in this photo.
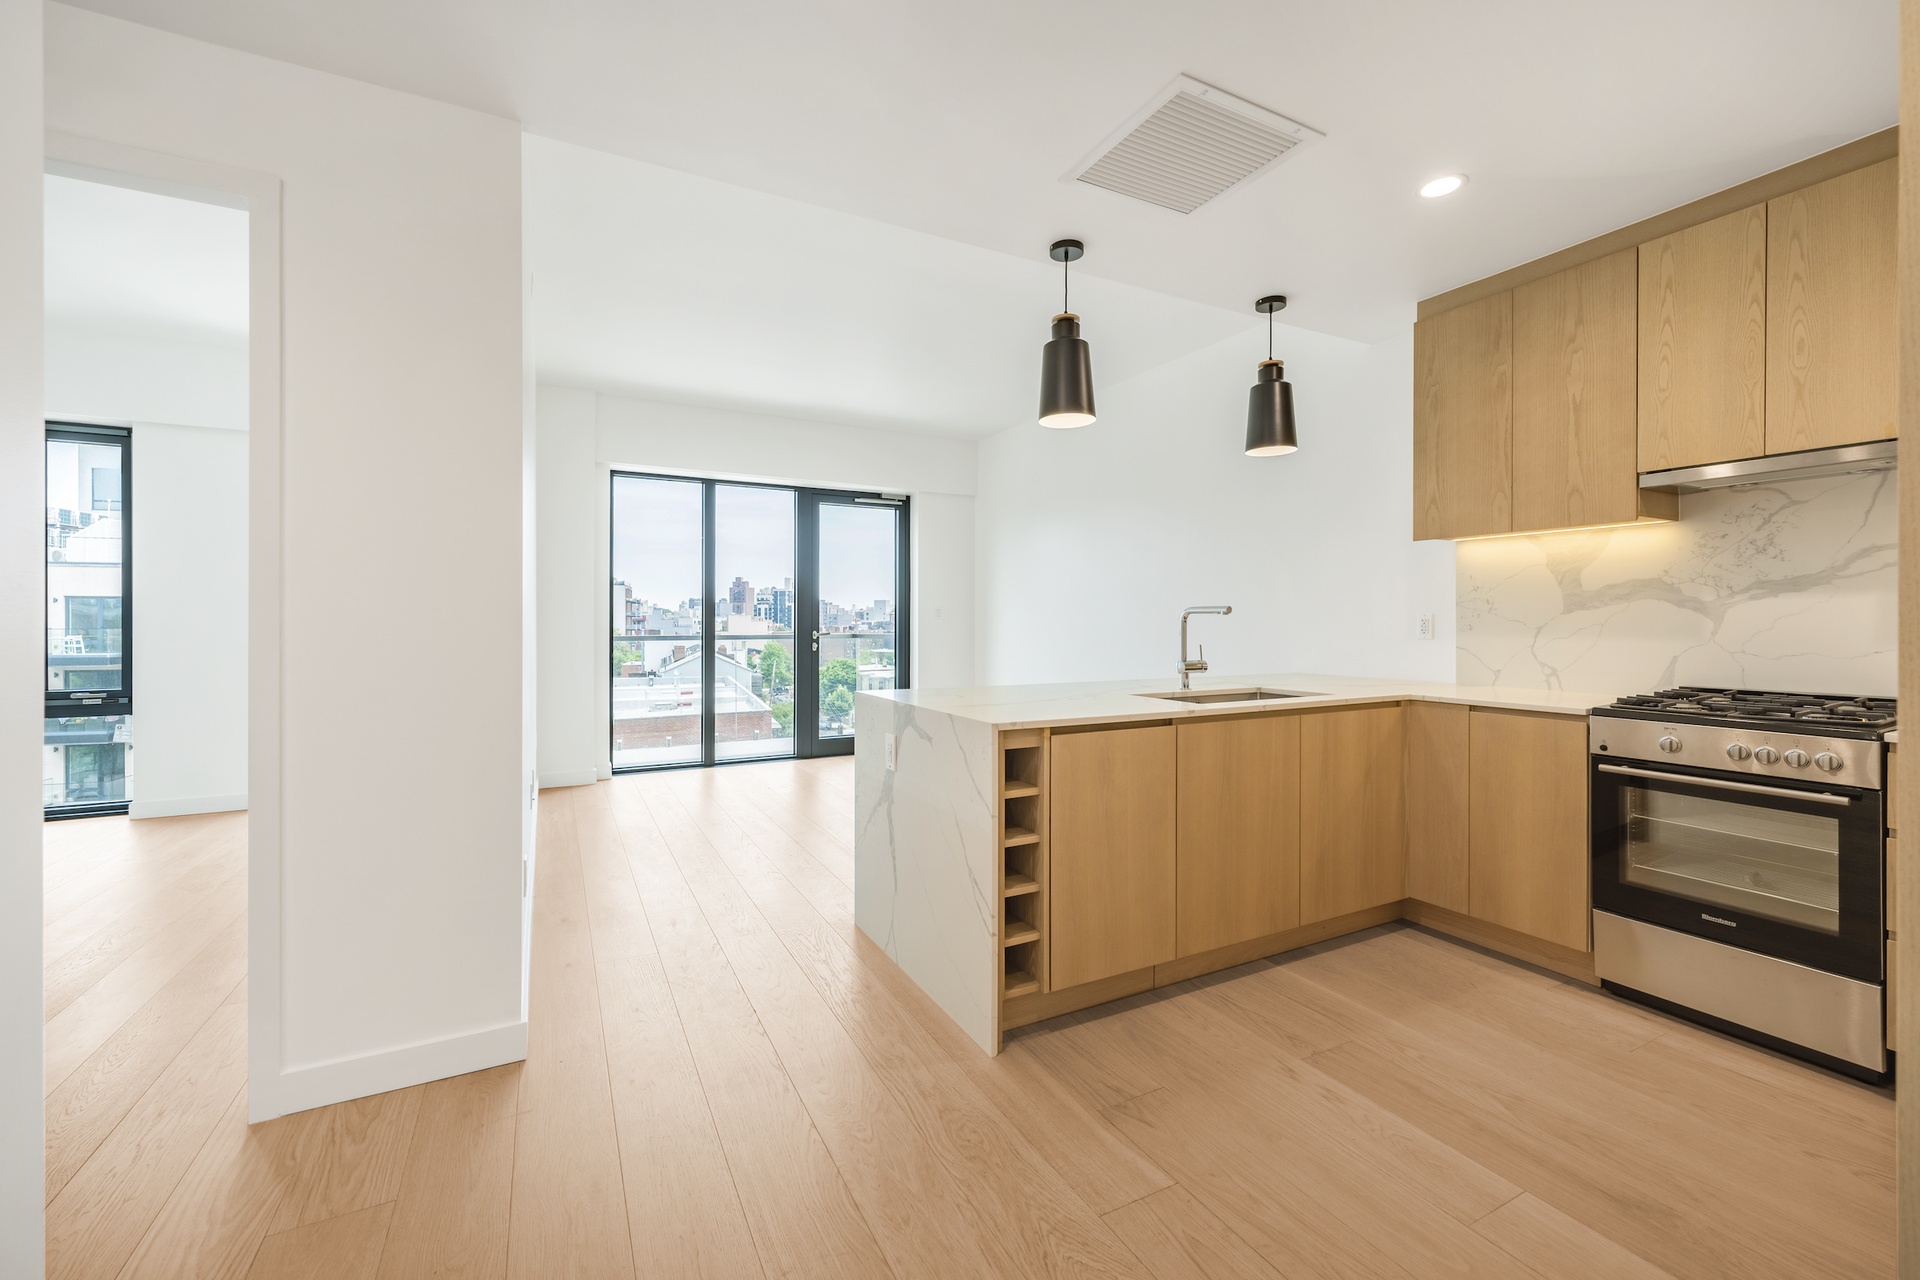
(1828, 761)
(1765, 755)
(1736, 751)
(1797, 758)
(1669, 744)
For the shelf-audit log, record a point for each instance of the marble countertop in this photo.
(1037, 706)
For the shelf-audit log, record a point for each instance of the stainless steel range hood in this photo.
(1846, 459)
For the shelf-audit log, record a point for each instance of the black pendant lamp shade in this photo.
(1270, 402)
(1066, 367)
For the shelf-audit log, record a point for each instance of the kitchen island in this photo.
(1026, 851)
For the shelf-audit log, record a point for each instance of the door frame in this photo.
(807, 742)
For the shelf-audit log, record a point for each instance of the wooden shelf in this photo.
(1018, 884)
(1015, 790)
(1017, 836)
(1021, 983)
(1019, 931)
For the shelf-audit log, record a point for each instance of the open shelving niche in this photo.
(1023, 859)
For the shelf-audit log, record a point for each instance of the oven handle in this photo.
(1818, 797)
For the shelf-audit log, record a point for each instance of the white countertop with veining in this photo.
(1035, 706)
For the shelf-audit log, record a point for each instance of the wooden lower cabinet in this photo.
(1111, 855)
(1238, 846)
(1437, 829)
(1353, 834)
(1527, 834)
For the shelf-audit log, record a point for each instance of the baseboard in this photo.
(326, 1083)
(572, 777)
(184, 805)
(1565, 961)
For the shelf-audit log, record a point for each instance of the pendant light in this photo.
(1270, 401)
(1066, 371)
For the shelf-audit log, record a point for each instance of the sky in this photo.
(656, 542)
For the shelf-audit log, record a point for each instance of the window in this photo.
(87, 753)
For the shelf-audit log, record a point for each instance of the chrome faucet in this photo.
(1190, 665)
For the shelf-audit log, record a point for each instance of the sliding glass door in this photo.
(745, 617)
(88, 749)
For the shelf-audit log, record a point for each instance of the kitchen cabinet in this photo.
(1831, 323)
(1527, 824)
(1238, 831)
(1353, 834)
(1703, 342)
(1463, 420)
(1111, 852)
(1575, 406)
(1437, 832)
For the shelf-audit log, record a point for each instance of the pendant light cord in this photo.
(1065, 280)
(1269, 335)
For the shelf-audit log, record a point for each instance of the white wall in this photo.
(186, 401)
(22, 648)
(391, 951)
(1091, 541)
(584, 434)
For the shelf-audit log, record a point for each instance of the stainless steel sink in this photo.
(1203, 696)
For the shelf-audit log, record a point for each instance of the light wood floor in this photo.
(726, 1080)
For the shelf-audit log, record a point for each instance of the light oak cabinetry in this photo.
(1111, 855)
(1238, 845)
(1463, 421)
(1575, 412)
(1353, 834)
(1527, 839)
(1703, 342)
(1831, 327)
(1437, 830)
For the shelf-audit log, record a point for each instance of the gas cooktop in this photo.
(1792, 712)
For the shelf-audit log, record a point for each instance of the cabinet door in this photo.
(1353, 834)
(1111, 852)
(1703, 343)
(1575, 406)
(1437, 753)
(1528, 824)
(1463, 420)
(1831, 327)
(1238, 850)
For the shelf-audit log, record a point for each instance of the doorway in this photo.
(746, 616)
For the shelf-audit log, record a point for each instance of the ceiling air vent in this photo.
(1189, 144)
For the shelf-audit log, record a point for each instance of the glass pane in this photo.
(84, 585)
(858, 574)
(86, 760)
(753, 537)
(656, 621)
(1766, 862)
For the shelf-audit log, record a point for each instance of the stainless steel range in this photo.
(1739, 865)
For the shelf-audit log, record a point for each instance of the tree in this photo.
(783, 718)
(776, 668)
(837, 675)
(838, 705)
(625, 654)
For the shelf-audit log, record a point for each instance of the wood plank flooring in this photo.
(725, 1079)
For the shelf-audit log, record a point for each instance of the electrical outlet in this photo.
(1423, 627)
(890, 753)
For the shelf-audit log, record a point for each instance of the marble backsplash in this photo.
(1787, 585)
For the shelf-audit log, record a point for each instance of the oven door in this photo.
(1787, 869)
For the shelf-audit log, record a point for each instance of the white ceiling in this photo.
(137, 262)
(652, 282)
(959, 119)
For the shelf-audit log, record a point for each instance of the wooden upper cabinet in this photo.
(1703, 343)
(1110, 856)
(1463, 420)
(1238, 850)
(1831, 327)
(1575, 409)
(1437, 804)
(1353, 827)
(1527, 839)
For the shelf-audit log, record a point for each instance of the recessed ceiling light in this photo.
(1444, 186)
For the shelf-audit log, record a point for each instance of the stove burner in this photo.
(1748, 704)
